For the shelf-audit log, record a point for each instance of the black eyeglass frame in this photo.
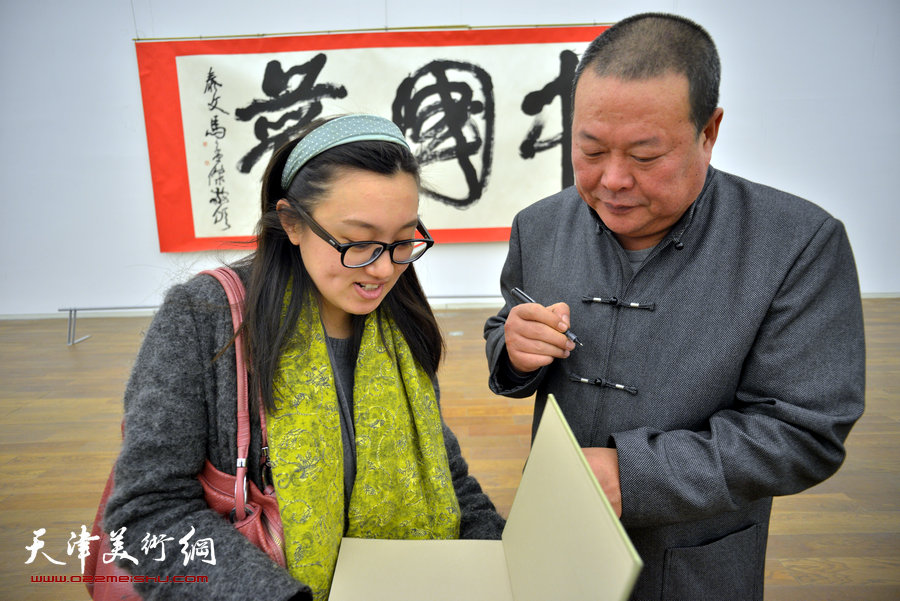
(385, 246)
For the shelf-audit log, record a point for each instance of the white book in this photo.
(562, 542)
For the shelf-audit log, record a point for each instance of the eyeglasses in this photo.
(366, 252)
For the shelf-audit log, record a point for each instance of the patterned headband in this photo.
(343, 130)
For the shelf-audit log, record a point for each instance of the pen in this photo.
(520, 294)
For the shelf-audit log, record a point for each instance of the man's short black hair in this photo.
(653, 44)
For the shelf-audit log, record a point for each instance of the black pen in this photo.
(520, 294)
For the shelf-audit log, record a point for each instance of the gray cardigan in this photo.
(180, 408)
(727, 370)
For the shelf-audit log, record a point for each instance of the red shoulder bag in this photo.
(236, 498)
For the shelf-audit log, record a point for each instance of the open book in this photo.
(562, 542)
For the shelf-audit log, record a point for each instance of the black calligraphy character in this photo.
(447, 108)
(212, 87)
(212, 84)
(534, 103)
(220, 201)
(216, 173)
(215, 130)
(298, 104)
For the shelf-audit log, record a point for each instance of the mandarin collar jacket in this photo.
(728, 369)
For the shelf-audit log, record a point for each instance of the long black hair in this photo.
(276, 263)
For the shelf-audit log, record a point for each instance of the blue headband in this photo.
(343, 130)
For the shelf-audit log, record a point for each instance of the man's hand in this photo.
(535, 335)
(605, 464)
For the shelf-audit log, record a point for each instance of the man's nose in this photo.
(616, 174)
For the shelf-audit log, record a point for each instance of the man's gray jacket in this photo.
(727, 370)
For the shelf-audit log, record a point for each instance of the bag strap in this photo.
(234, 290)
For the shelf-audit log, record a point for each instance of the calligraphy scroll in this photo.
(487, 113)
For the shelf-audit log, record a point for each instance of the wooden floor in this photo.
(60, 409)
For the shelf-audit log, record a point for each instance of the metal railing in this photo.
(73, 317)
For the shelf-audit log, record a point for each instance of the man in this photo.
(723, 357)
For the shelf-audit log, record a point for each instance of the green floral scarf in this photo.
(403, 487)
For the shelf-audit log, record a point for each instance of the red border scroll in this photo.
(162, 114)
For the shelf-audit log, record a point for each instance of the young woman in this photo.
(344, 348)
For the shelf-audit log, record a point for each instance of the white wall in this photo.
(811, 91)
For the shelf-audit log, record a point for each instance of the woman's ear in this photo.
(289, 223)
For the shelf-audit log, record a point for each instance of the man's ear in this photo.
(710, 133)
(289, 224)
